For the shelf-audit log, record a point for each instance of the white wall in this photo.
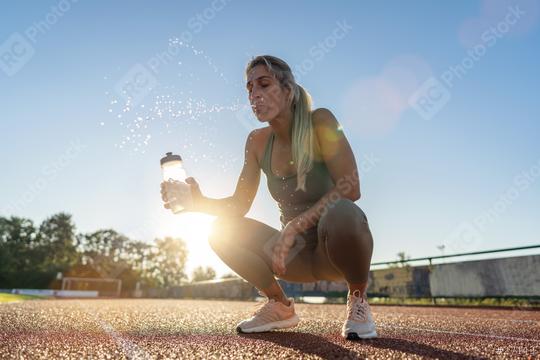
(514, 276)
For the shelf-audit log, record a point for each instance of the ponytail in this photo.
(302, 135)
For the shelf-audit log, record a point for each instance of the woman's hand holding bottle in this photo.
(179, 196)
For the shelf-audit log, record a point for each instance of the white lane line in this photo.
(128, 348)
(377, 324)
(534, 322)
(459, 333)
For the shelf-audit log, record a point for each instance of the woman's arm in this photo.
(246, 188)
(339, 158)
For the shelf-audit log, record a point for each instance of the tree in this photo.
(168, 261)
(18, 251)
(201, 273)
(142, 257)
(57, 238)
(31, 256)
(106, 251)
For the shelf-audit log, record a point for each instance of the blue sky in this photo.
(452, 177)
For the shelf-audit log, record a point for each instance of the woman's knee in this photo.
(344, 215)
(232, 231)
(345, 224)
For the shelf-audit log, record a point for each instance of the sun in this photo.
(191, 227)
(194, 229)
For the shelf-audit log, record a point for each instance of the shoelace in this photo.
(357, 308)
(263, 307)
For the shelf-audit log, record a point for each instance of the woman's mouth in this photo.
(257, 108)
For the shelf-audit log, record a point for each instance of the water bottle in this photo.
(173, 170)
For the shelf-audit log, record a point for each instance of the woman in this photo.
(312, 174)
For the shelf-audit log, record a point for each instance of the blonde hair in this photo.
(303, 137)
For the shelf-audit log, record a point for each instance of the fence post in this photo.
(433, 300)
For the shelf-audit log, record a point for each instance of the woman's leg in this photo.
(245, 245)
(344, 251)
(345, 246)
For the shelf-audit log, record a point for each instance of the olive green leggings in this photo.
(338, 248)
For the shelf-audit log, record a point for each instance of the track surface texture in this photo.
(194, 329)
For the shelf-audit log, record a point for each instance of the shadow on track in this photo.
(305, 343)
(423, 350)
(321, 346)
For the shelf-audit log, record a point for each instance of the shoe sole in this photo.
(356, 336)
(283, 324)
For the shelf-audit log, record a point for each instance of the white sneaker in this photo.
(359, 323)
(269, 316)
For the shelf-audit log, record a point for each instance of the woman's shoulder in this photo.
(323, 117)
(257, 140)
(324, 124)
(259, 137)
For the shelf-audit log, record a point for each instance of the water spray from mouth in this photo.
(255, 106)
(170, 108)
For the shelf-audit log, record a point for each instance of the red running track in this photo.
(150, 329)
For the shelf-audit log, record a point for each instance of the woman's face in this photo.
(267, 97)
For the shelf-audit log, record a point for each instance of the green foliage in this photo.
(25, 253)
(203, 273)
(169, 261)
(57, 236)
(32, 256)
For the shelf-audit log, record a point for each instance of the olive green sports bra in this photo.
(282, 188)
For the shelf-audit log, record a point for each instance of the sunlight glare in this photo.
(194, 229)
